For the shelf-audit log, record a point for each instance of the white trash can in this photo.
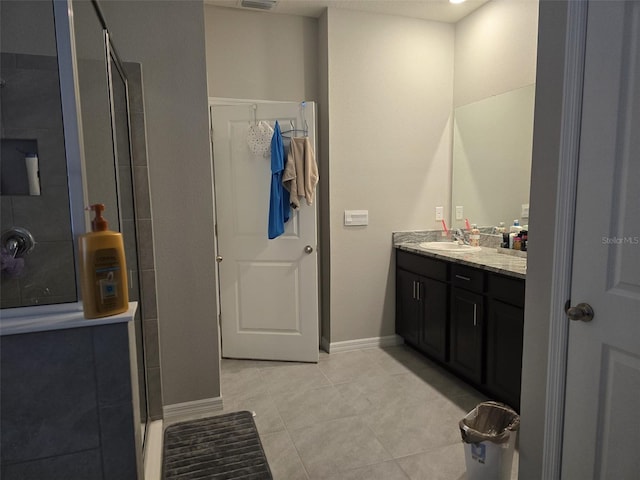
(489, 434)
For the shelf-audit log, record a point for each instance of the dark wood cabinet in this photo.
(468, 319)
(466, 334)
(433, 336)
(408, 307)
(505, 325)
(421, 303)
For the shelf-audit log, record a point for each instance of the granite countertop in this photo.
(487, 258)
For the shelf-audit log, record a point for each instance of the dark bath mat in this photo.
(217, 448)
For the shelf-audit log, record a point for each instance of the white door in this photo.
(602, 410)
(268, 288)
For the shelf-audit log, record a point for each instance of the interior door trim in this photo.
(575, 45)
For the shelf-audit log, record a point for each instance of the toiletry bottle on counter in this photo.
(525, 240)
(517, 242)
(515, 228)
(500, 228)
(474, 236)
(102, 269)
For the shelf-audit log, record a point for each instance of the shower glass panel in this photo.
(107, 150)
(124, 166)
(37, 241)
(95, 110)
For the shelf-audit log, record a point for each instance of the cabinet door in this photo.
(465, 349)
(433, 337)
(408, 307)
(504, 351)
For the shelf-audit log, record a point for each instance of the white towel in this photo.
(301, 172)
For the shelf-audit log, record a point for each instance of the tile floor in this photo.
(367, 414)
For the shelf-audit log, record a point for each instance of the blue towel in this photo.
(279, 200)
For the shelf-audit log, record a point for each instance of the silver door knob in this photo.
(308, 249)
(218, 258)
(582, 311)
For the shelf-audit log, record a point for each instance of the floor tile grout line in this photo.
(306, 471)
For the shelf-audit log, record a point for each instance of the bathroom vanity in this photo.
(465, 311)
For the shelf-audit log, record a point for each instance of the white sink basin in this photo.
(449, 247)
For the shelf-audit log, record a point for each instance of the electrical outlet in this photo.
(525, 210)
(459, 212)
(439, 213)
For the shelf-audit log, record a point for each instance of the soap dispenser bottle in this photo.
(102, 269)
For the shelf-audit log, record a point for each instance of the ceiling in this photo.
(437, 10)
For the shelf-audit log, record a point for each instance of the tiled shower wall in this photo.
(30, 99)
(31, 110)
(144, 229)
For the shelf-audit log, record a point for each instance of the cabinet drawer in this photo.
(508, 289)
(427, 267)
(467, 278)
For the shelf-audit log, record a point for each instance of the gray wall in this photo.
(259, 55)
(323, 187)
(167, 38)
(27, 27)
(390, 97)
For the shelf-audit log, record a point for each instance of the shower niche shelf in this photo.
(20, 174)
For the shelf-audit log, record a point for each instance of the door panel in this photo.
(268, 288)
(434, 326)
(465, 352)
(603, 371)
(504, 351)
(408, 308)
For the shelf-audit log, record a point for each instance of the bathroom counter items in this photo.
(57, 317)
(487, 258)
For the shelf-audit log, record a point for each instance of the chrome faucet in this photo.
(458, 236)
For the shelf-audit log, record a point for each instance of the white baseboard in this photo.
(361, 343)
(153, 451)
(196, 408)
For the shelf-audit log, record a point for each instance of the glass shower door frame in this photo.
(113, 60)
(73, 132)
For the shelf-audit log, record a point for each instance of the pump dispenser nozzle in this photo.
(98, 224)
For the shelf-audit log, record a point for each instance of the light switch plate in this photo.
(459, 212)
(356, 217)
(525, 210)
(439, 213)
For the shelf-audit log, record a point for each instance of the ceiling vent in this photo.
(258, 4)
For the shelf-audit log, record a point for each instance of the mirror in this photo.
(492, 146)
